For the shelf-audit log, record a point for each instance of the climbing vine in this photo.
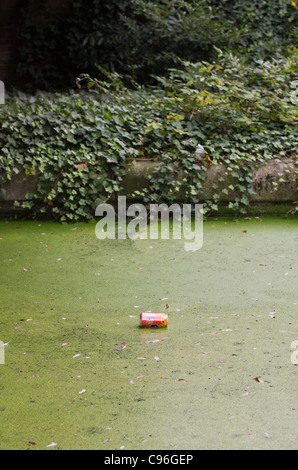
(79, 144)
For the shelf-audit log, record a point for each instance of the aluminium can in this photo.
(153, 320)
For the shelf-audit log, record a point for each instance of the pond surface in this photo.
(79, 373)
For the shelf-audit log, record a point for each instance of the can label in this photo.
(153, 320)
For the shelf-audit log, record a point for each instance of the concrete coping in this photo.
(275, 181)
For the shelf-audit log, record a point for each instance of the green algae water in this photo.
(79, 373)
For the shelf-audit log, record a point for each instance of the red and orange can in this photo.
(153, 320)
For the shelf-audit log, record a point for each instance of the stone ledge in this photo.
(265, 187)
(274, 182)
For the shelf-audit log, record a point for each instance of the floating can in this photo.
(153, 320)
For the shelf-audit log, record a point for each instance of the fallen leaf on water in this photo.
(257, 379)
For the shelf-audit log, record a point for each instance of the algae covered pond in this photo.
(79, 373)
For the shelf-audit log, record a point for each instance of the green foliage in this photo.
(77, 144)
(265, 27)
(141, 38)
(80, 143)
(242, 114)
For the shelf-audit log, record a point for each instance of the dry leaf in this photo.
(31, 443)
(208, 160)
(81, 165)
(291, 266)
(257, 379)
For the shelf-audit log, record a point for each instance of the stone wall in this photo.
(273, 183)
(266, 185)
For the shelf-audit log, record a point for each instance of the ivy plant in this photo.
(79, 144)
